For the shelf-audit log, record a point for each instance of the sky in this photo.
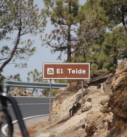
(42, 55)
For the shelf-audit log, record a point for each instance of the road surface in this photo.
(31, 106)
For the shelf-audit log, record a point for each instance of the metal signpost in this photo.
(79, 71)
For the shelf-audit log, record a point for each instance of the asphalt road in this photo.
(30, 106)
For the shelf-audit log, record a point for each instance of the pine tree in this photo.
(91, 30)
(18, 18)
(104, 32)
(65, 15)
(114, 44)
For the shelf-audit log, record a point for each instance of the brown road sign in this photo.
(66, 70)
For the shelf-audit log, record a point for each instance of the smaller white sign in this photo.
(50, 71)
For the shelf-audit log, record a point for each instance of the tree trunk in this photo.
(13, 51)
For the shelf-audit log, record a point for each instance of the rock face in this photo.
(118, 101)
(66, 97)
(88, 115)
(62, 104)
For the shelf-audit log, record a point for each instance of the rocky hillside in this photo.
(99, 110)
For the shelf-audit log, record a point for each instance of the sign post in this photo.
(82, 91)
(77, 71)
(50, 102)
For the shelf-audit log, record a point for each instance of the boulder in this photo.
(87, 106)
(92, 122)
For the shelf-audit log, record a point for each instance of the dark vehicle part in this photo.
(5, 114)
